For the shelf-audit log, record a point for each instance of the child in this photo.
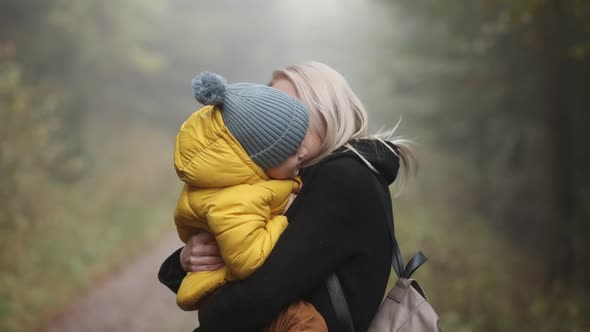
(238, 157)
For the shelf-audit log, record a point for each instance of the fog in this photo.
(493, 94)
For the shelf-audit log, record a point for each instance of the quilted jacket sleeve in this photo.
(184, 216)
(241, 221)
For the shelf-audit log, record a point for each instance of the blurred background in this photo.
(495, 93)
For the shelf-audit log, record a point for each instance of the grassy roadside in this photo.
(59, 262)
(85, 230)
(479, 281)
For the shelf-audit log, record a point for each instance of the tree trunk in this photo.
(561, 169)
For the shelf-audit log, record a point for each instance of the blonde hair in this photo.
(337, 114)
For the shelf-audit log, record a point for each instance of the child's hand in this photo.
(201, 253)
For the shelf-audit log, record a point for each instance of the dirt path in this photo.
(130, 300)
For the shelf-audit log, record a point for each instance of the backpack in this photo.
(405, 309)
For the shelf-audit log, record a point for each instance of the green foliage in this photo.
(479, 282)
(67, 70)
(577, 12)
(31, 152)
(506, 96)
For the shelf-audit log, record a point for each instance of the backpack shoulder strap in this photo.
(339, 303)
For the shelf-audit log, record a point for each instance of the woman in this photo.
(337, 223)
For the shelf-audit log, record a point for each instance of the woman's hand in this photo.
(201, 253)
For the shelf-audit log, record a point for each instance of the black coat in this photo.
(336, 223)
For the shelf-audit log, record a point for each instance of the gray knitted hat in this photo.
(269, 124)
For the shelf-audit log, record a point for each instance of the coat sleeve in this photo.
(241, 221)
(320, 237)
(171, 272)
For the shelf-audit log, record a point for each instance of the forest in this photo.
(494, 93)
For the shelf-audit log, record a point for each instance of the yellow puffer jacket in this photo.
(228, 195)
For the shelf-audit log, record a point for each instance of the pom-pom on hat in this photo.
(269, 124)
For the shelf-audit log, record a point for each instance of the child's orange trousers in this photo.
(298, 317)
